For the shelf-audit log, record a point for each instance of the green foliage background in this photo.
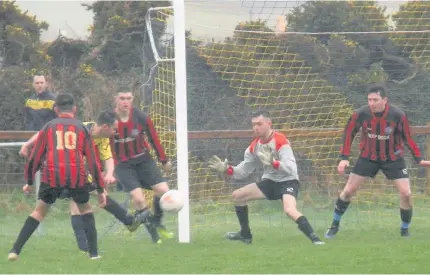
(305, 80)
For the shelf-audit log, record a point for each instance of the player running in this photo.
(135, 167)
(100, 130)
(384, 131)
(60, 149)
(280, 180)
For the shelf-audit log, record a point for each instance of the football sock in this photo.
(158, 212)
(120, 213)
(119, 187)
(144, 215)
(406, 217)
(339, 210)
(27, 230)
(91, 233)
(242, 216)
(304, 226)
(79, 230)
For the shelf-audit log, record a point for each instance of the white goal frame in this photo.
(184, 234)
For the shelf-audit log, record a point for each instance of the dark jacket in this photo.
(39, 110)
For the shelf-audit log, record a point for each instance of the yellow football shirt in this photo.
(102, 144)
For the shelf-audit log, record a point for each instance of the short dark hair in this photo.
(106, 117)
(378, 88)
(262, 113)
(64, 102)
(39, 74)
(124, 89)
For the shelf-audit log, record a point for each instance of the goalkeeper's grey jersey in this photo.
(287, 169)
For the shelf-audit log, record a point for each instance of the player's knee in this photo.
(347, 193)
(291, 211)
(405, 194)
(290, 206)
(160, 188)
(354, 182)
(138, 198)
(237, 196)
(37, 215)
(136, 194)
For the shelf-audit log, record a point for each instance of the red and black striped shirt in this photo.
(59, 150)
(383, 135)
(130, 142)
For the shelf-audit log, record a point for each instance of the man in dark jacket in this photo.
(39, 107)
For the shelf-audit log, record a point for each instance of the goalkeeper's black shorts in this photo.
(276, 190)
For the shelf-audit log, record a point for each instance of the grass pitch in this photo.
(369, 242)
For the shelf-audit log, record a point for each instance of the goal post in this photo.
(170, 61)
(181, 119)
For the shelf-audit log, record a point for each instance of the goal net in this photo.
(307, 63)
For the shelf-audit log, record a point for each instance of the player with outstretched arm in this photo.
(60, 149)
(280, 180)
(384, 133)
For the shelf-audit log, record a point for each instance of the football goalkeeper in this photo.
(280, 180)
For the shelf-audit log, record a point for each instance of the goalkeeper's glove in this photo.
(218, 165)
(267, 155)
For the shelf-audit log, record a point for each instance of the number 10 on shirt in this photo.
(66, 140)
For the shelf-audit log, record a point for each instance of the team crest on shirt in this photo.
(388, 130)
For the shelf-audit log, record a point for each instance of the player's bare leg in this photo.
(143, 215)
(159, 190)
(90, 230)
(290, 208)
(30, 225)
(241, 197)
(342, 203)
(403, 186)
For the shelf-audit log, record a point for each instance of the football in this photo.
(171, 201)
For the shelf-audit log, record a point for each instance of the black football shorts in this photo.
(275, 190)
(49, 194)
(142, 174)
(392, 169)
